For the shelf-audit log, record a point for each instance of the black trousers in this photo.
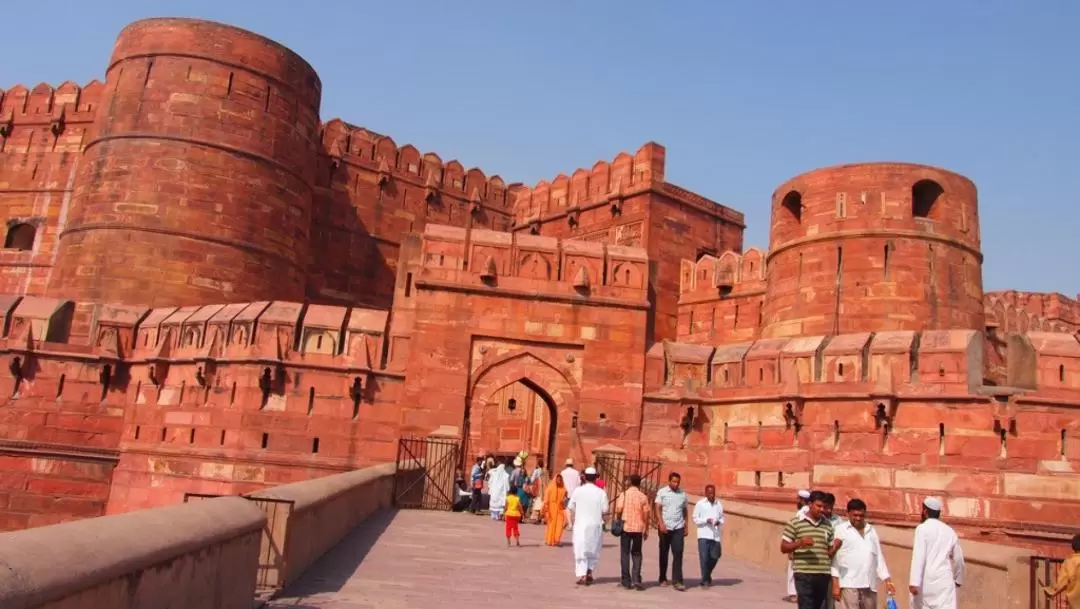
(672, 542)
(813, 589)
(477, 499)
(630, 550)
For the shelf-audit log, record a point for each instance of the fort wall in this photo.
(370, 193)
(628, 202)
(773, 415)
(42, 133)
(721, 299)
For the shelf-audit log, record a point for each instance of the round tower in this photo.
(874, 247)
(196, 184)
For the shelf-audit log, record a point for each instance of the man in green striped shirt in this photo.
(809, 539)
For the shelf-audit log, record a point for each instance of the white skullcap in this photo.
(932, 503)
(590, 471)
(517, 462)
(804, 494)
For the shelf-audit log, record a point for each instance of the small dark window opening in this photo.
(511, 405)
(793, 204)
(20, 237)
(1061, 373)
(137, 430)
(222, 440)
(408, 284)
(164, 433)
(923, 196)
(265, 439)
(314, 446)
(191, 436)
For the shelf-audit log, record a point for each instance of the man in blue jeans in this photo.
(709, 518)
(670, 511)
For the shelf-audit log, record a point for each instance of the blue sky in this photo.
(743, 94)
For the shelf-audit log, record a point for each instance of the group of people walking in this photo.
(840, 563)
(834, 562)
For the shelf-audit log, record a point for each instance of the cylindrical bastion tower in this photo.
(874, 247)
(196, 184)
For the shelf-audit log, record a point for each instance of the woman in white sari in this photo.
(498, 486)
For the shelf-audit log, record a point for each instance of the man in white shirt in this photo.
(571, 478)
(800, 507)
(937, 562)
(859, 565)
(585, 513)
(709, 518)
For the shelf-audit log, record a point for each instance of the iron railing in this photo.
(427, 470)
(1044, 572)
(615, 470)
(271, 573)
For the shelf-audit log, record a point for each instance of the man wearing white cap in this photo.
(585, 512)
(571, 478)
(937, 562)
(800, 508)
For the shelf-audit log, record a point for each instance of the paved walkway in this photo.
(424, 560)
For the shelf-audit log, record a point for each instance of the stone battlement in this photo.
(534, 264)
(379, 153)
(932, 363)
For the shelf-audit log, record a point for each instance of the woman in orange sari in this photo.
(554, 506)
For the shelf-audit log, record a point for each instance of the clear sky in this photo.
(743, 94)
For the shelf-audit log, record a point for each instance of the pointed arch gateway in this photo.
(522, 402)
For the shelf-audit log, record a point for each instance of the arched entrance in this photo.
(521, 402)
(519, 416)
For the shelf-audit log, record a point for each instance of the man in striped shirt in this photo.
(809, 538)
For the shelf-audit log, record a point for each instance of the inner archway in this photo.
(519, 416)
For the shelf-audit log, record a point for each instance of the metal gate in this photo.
(274, 537)
(427, 469)
(615, 470)
(1044, 572)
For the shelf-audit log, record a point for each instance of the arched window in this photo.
(923, 196)
(793, 203)
(20, 237)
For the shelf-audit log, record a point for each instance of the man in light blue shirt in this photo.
(670, 511)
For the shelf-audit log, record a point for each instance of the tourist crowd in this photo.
(833, 561)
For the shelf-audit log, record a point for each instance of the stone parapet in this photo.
(197, 556)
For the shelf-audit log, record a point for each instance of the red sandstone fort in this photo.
(209, 289)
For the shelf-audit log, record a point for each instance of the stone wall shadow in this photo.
(330, 572)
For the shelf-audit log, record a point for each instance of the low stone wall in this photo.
(996, 576)
(197, 556)
(324, 511)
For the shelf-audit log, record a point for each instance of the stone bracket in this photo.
(793, 414)
(884, 413)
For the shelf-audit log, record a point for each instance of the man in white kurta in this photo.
(571, 479)
(498, 486)
(586, 508)
(937, 562)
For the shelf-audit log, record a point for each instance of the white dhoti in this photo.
(790, 580)
(588, 539)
